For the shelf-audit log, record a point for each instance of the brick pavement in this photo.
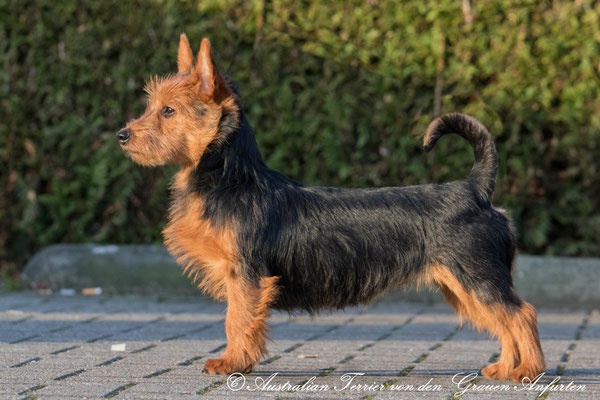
(60, 347)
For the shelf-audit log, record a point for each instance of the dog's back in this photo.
(326, 243)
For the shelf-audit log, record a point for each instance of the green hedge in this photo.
(337, 96)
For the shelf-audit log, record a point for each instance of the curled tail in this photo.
(483, 174)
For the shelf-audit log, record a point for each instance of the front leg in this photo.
(245, 325)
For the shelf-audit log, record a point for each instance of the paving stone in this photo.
(60, 347)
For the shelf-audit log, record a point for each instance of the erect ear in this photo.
(204, 69)
(185, 57)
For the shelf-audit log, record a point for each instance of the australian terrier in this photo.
(260, 240)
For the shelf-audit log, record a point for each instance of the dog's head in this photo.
(182, 113)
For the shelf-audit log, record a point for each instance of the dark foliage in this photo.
(337, 96)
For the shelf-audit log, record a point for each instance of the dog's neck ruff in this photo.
(231, 173)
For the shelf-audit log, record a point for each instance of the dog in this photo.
(259, 240)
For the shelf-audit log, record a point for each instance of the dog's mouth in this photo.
(131, 152)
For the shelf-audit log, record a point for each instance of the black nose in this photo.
(123, 135)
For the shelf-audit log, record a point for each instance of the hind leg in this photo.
(518, 338)
(509, 358)
(525, 331)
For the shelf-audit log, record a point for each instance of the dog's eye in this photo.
(167, 111)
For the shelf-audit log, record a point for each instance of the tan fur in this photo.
(208, 254)
(516, 328)
(198, 95)
(428, 133)
(185, 58)
(246, 327)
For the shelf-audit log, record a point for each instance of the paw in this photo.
(523, 372)
(496, 371)
(224, 366)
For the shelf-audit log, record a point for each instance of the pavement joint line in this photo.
(297, 345)
(190, 361)
(388, 334)
(419, 359)
(158, 373)
(145, 348)
(24, 363)
(281, 323)
(205, 327)
(23, 339)
(458, 393)
(395, 328)
(327, 371)
(324, 372)
(131, 329)
(293, 347)
(126, 330)
(90, 320)
(494, 358)
(140, 326)
(392, 381)
(196, 330)
(346, 359)
(218, 348)
(59, 329)
(64, 350)
(94, 340)
(582, 326)
(210, 387)
(435, 347)
(70, 374)
(452, 334)
(544, 396)
(408, 321)
(111, 361)
(119, 390)
(560, 368)
(579, 333)
(31, 390)
(270, 360)
(330, 329)
(366, 346)
(406, 370)
(161, 372)
(173, 337)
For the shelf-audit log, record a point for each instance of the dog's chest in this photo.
(206, 252)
